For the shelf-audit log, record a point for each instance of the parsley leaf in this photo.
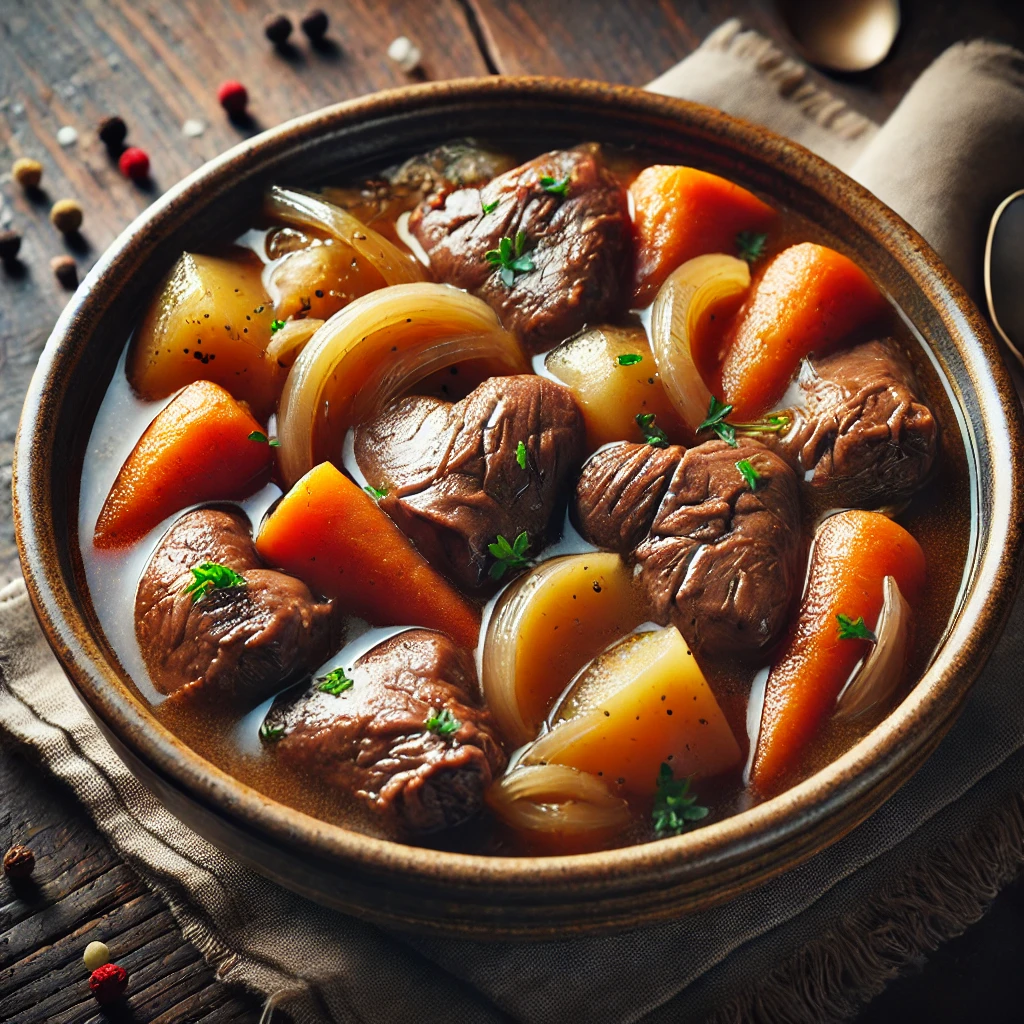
(511, 258)
(521, 455)
(276, 325)
(675, 810)
(854, 630)
(630, 359)
(443, 724)
(375, 492)
(489, 207)
(655, 436)
(209, 576)
(269, 733)
(508, 556)
(750, 246)
(749, 474)
(335, 682)
(556, 188)
(261, 438)
(717, 411)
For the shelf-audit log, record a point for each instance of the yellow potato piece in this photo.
(609, 394)
(211, 321)
(643, 702)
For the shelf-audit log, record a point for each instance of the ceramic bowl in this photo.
(421, 889)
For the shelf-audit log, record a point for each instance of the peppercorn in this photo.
(27, 172)
(10, 243)
(66, 216)
(19, 862)
(233, 97)
(96, 955)
(65, 270)
(405, 53)
(277, 28)
(108, 983)
(112, 132)
(315, 24)
(134, 163)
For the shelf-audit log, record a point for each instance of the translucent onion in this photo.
(881, 671)
(286, 343)
(375, 349)
(684, 302)
(554, 798)
(311, 211)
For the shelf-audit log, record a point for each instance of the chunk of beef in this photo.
(721, 561)
(452, 476)
(860, 430)
(372, 739)
(240, 643)
(580, 243)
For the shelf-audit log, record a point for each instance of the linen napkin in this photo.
(809, 946)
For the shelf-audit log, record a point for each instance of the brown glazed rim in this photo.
(755, 843)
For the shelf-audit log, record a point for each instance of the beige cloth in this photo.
(785, 951)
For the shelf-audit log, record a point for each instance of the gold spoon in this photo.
(842, 35)
(1004, 272)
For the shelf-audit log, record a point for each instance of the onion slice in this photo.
(311, 211)
(687, 298)
(286, 344)
(555, 798)
(373, 350)
(880, 673)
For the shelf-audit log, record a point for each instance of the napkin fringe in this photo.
(831, 978)
(790, 77)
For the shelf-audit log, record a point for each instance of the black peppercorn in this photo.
(314, 25)
(277, 28)
(19, 862)
(10, 243)
(65, 270)
(112, 132)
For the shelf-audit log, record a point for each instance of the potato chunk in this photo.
(643, 702)
(211, 321)
(611, 386)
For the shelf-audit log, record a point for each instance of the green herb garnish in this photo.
(509, 556)
(750, 246)
(717, 411)
(630, 359)
(556, 188)
(212, 576)
(269, 733)
(675, 810)
(261, 438)
(489, 207)
(521, 455)
(854, 630)
(335, 682)
(511, 258)
(443, 724)
(749, 474)
(375, 492)
(655, 436)
(276, 325)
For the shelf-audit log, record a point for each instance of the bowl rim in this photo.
(910, 731)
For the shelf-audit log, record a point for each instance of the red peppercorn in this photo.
(233, 97)
(134, 164)
(108, 983)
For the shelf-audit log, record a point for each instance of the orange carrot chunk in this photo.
(808, 299)
(853, 553)
(679, 213)
(196, 449)
(333, 536)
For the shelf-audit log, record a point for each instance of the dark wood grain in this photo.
(158, 64)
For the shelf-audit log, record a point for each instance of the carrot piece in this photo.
(853, 553)
(808, 299)
(196, 449)
(679, 213)
(332, 535)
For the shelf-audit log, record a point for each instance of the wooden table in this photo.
(158, 64)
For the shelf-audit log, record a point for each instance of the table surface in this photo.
(158, 64)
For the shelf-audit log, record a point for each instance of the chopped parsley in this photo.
(630, 359)
(489, 207)
(276, 325)
(850, 629)
(511, 258)
(521, 455)
(749, 474)
(443, 724)
(269, 733)
(556, 188)
(750, 246)
(654, 435)
(261, 438)
(717, 411)
(209, 576)
(508, 556)
(675, 810)
(375, 492)
(335, 682)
